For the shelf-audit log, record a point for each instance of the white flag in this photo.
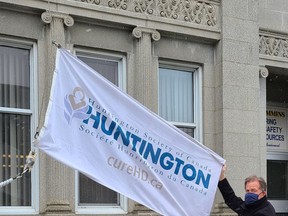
(97, 129)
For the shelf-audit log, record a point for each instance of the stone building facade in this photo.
(236, 52)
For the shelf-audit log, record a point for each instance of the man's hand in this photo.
(222, 175)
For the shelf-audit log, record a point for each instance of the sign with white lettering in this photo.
(276, 129)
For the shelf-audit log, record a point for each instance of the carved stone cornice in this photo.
(202, 12)
(49, 15)
(273, 46)
(138, 31)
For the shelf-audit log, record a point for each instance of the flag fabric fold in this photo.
(97, 129)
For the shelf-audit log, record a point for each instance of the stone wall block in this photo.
(238, 168)
(278, 5)
(219, 139)
(235, 8)
(240, 30)
(240, 121)
(209, 124)
(285, 22)
(237, 74)
(219, 123)
(242, 98)
(253, 55)
(236, 51)
(218, 98)
(239, 144)
(253, 6)
(209, 99)
(209, 140)
(209, 75)
(271, 20)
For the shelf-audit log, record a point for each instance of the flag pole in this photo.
(30, 161)
(32, 154)
(41, 109)
(56, 44)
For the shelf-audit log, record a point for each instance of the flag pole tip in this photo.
(37, 133)
(56, 44)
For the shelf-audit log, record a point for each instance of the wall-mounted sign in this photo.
(276, 129)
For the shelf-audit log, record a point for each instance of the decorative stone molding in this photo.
(203, 12)
(138, 31)
(273, 46)
(48, 16)
(97, 2)
(263, 72)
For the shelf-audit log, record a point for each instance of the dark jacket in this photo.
(261, 207)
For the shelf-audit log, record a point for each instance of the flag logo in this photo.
(75, 105)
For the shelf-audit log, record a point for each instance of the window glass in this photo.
(90, 192)
(15, 127)
(14, 78)
(107, 68)
(188, 130)
(176, 97)
(277, 179)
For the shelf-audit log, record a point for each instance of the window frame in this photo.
(279, 205)
(33, 113)
(122, 208)
(196, 69)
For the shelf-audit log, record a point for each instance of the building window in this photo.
(16, 121)
(92, 196)
(179, 96)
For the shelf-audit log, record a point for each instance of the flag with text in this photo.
(99, 130)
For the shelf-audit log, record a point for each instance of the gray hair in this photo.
(263, 185)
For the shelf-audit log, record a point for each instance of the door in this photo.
(277, 181)
(277, 138)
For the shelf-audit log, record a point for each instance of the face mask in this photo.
(250, 198)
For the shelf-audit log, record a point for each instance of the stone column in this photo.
(55, 32)
(143, 85)
(56, 180)
(238, 93)
(263, 74)
(145, 68)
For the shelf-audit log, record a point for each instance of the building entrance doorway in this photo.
(277, 138)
